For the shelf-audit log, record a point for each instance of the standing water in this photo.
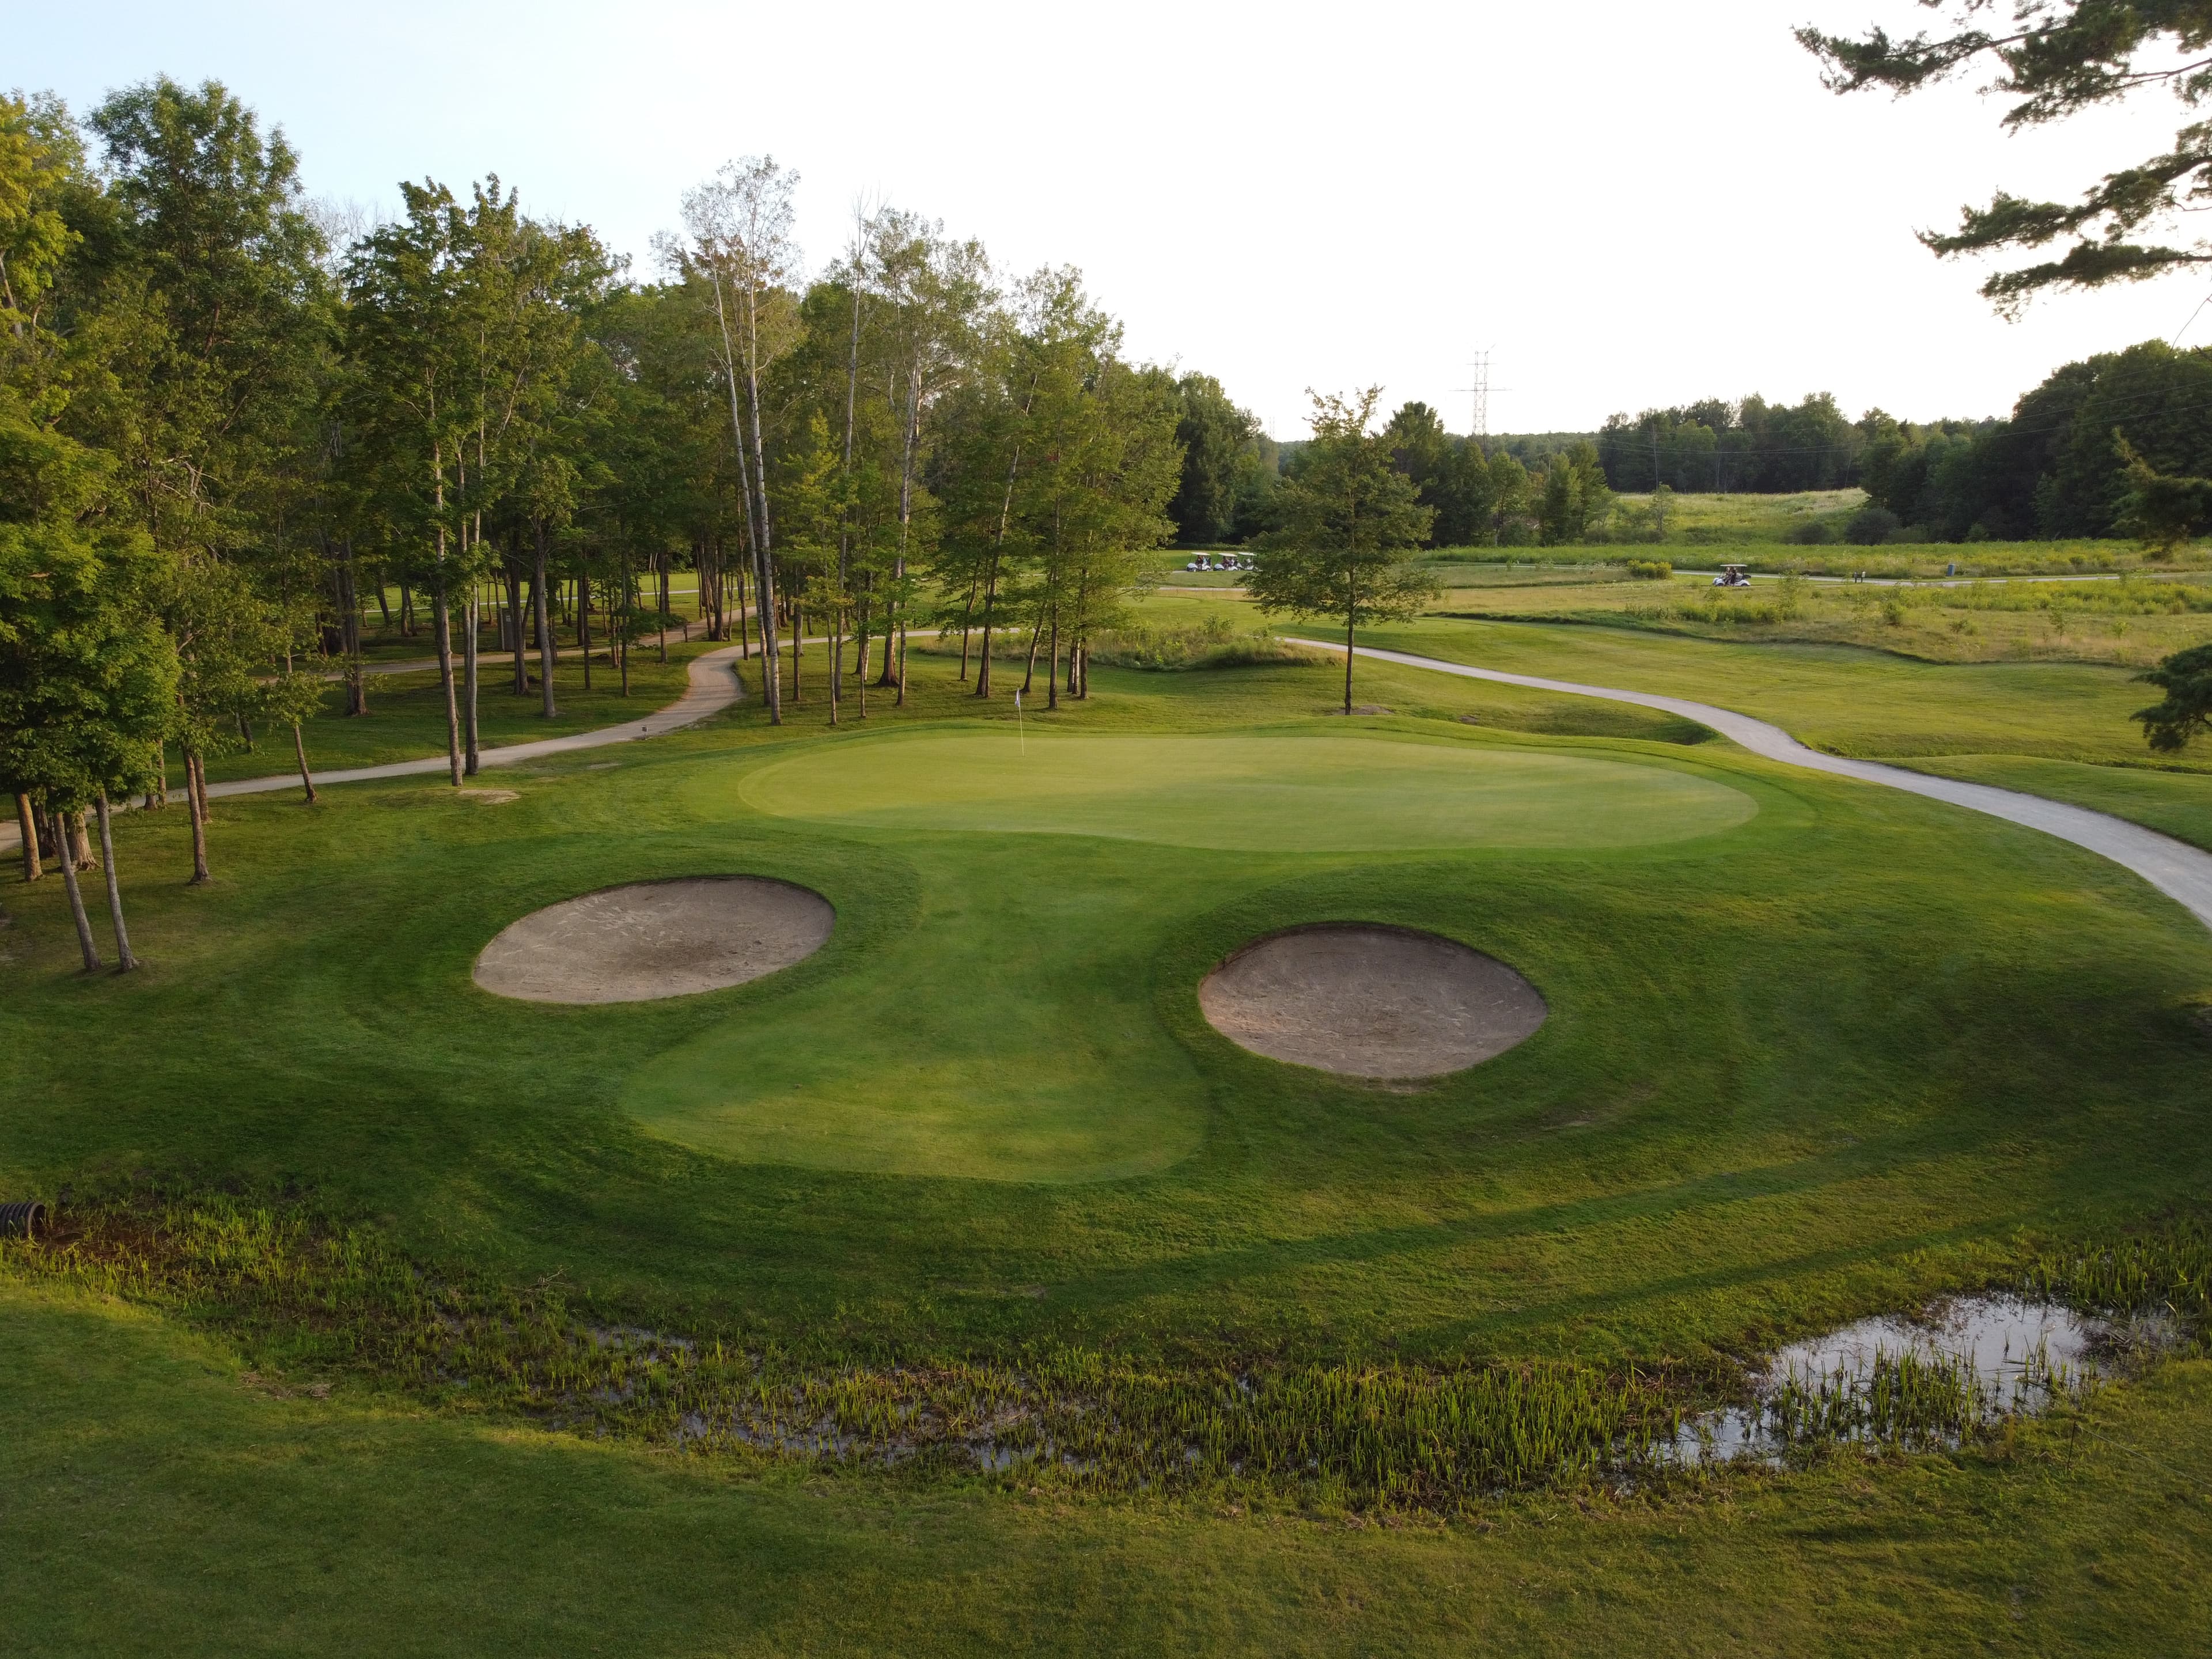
(1917, 1383)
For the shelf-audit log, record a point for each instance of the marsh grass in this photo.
(2165, 1269)
(303, 1294)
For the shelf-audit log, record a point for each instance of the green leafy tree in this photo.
(87, 677)
(2186, 713)
(2164, 513)
(1216, 436)
(2058, 58)
(1351, 525)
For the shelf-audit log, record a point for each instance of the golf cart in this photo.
(1732, 576)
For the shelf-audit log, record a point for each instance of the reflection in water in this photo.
(1920, 1383)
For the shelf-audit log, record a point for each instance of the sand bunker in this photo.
(1370, 1001)
(656, 939)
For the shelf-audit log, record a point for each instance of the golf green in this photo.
(1056, 1067)
(1293, 793)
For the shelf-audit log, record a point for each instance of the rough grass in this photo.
(1842, 698)
(168, 1498)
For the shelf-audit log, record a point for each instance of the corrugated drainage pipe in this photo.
(24, 1220)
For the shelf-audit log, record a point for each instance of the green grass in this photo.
(165, 1499)
(1803, 1063)
(1047, 1064)
(1845, 699)
(1884, 1031)
(406, 718)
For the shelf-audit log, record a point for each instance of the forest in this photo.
(233, 421)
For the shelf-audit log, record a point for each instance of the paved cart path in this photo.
(2181, 872)
(710, 687)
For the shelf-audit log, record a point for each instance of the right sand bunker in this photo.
(1365, 1001)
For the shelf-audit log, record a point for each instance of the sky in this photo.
(1625, 205)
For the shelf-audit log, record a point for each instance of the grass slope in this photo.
(1830, 1056)
(1846, 700)
(163, 1500)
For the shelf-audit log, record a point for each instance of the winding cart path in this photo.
(710, 686)
(2182, 872)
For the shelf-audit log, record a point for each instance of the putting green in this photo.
(1050, 1062)
(1290, 793)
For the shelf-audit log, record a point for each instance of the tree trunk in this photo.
(797, 631)
(1349, 624)
(442, 623)
(28, 825)
(356, 683)
(76, 895)
(245, 730)
(80, 843)
(1051, 678)
(544, 627)
(862, 618)
(584, 622)
(473, 615)
(300, 754)
(744, 635)
(196, 804)
(660, 576)
(514, 620)
(384, 600)
(990, 616)
(406, 612)
(159, 795)
(124, 961)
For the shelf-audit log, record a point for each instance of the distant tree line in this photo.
(2118, 445)
(2072, 460)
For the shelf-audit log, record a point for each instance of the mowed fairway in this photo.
(1828, 1050)
(1009, 1031)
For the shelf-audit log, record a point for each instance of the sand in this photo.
(656, 939)
(1370, 1001)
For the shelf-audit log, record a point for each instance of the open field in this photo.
(1696, 520)
(2130, 622)
(1910, 561)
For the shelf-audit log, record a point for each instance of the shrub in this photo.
(1814, 532)
(1650, 570)
(1871, 525)
(1210, 644)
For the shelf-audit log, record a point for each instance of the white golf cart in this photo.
(1732, 576)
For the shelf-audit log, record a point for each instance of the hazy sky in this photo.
(1627, 205)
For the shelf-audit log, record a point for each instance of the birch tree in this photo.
(738, 227)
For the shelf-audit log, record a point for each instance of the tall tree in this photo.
(2060, 58)
(740, 228)
(1351, 525)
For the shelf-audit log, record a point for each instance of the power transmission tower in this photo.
(1479, 396)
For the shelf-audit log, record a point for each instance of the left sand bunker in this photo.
(656, 939)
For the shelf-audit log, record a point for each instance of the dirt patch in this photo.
(490, 796)
(656, 939)
(1370, 1001)
(1365, 708)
